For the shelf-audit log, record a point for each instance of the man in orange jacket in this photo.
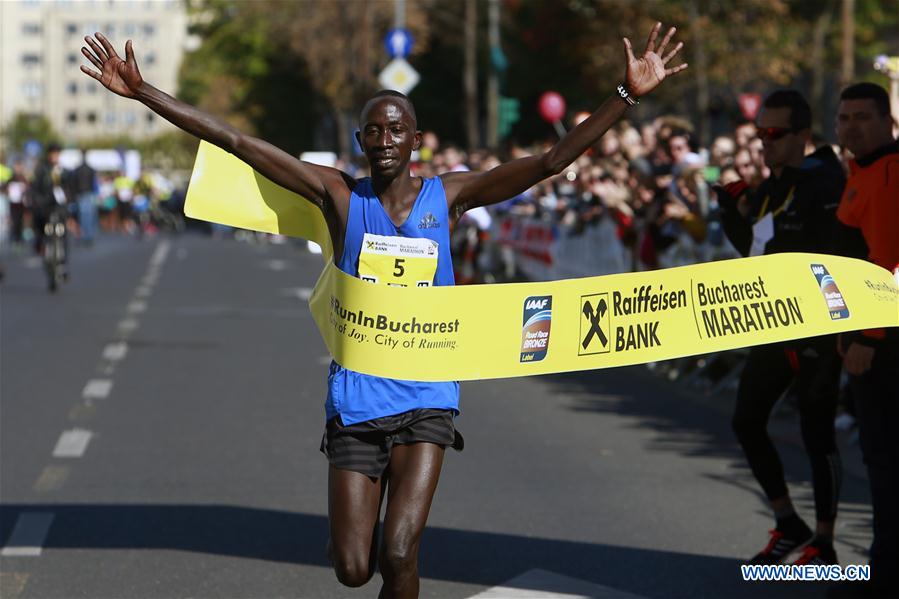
(870, 203)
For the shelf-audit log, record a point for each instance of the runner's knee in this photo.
(352, 570)
(399, 556)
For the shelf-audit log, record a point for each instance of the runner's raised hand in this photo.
(119, 76)
(644, 74)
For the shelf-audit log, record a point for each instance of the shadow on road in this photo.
(473, 557)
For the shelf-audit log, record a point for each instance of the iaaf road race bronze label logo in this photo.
(832, 295)
(535, 327)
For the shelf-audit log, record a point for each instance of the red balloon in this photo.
(551, 106)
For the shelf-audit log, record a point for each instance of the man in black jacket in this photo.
(46, 194)
(794, 210)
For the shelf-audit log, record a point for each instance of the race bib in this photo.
(398, 261)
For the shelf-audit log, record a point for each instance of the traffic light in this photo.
(508, 115)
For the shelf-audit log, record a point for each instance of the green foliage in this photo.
(296, 73)
(24, 127)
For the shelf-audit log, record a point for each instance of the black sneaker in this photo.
(780, 546)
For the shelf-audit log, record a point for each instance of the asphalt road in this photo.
(161, 418)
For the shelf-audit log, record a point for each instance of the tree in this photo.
(24, 127)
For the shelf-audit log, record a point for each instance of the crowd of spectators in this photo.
(653, 181)
(105, 200)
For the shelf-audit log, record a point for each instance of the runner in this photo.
(385, 436)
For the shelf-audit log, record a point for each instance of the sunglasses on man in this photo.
(774, 133)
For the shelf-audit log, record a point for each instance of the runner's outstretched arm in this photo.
(468, 190)
(317, 184)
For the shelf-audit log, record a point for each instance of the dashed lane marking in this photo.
(301, 293)
(137, 307)
(127, 325)
(97, 389)
(72, 444)
(27, 538)
(275, 265)
(115, 352)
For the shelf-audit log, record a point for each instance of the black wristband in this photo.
(626, 96)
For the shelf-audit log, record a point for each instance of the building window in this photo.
(31, 90)
(90, 87)
(110, 118)
(72, 58)
(72, 88)
(149, 29)
(31, 60)
(31, 28)
(129, 119)
(150, 59)
(71, 29)
(92, 117)
(130, 29)
(72, 118)
(151, 118)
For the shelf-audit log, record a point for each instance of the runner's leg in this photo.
(414, 472)
(354, 503)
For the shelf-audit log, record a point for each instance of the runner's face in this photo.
(388, 136)
(861, 128)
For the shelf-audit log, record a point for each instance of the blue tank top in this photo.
(358, 397)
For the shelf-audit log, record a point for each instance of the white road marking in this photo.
(115, 351)
(143, 291)
(126, 325)
(72, 444)
(97, 389)
(27, 538)
(137, 307)
(301, 293)
(275, 265)
(541, 584)
(159, 255)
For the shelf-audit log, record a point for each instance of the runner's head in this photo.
(864, 123)
(388, 133)
(784, 126)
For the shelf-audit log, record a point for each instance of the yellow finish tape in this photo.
(495, 331)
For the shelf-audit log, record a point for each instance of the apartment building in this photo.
(40, 42)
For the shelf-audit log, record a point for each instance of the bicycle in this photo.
(55, 250)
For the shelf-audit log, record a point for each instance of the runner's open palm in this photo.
(644, 74)
(117, 75)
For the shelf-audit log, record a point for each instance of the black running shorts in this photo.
(365, 447)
